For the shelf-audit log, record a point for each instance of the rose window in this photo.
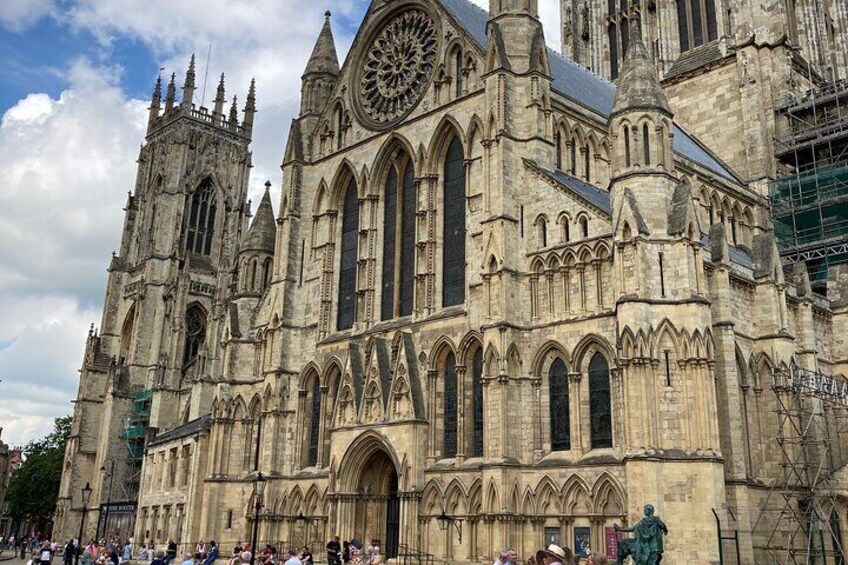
(397, 67)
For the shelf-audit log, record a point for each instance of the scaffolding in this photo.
(134, 435)
(809, 199)
(799, 521)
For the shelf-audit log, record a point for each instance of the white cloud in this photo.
(67, 165)
(18, 14)
(69, 161)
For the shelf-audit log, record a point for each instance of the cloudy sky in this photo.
(75, 82)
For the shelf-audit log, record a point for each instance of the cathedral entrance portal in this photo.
(378, 504)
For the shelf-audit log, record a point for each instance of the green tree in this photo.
(34, 487)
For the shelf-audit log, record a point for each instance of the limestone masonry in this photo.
(497, 288)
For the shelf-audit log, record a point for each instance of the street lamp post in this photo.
(446, 521)
(258, 491)
(108, 496)
(86, 498)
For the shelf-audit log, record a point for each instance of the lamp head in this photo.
(444, 521)
(86, 494)
(259, 484)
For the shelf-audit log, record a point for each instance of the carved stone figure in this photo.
(646, 548)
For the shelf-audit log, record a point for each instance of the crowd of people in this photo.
(116, 552)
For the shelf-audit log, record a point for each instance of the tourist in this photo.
(159, 559)
(213, 553)
(45, 555)
(501, 559)
(554, 555)
(144, 554)
(200, 550)
(172, 551)
(597, 559)
(69, 552)
(355, 552)
(373, 550)
(293, 560)
(306, 556)
(511, 556)
(334, 549)
(246, 556)
(188, 559)
(238, 549)
(127, 552)
(346, 552)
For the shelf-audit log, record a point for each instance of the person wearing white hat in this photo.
(554, 555)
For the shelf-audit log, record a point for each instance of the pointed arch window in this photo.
(600, 408)
(457, 70)
(314, 422)
(399, 260)
(696, 23)
(587, 167)
(453, 258)
(558, 140)
(646, 144)
(349, 256)
(626, 146)
(195, 334)
(560, 410)
(339, 127)
(450, 407)
(572, 166)
(477, 389)
(199, 228)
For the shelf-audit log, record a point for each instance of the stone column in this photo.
(432, 375)
(322, 425)
(463, 410)
(575, 404)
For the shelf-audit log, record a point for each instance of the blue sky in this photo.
(75, 82)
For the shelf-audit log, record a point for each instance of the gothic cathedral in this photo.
(499, 294)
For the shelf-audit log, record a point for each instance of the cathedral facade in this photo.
(501, 304)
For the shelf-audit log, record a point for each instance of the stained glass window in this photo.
(195, 334)
(347, 274)
(477, 386)
(199, 228)
(314, 422)
(560, 412)
(453, 271)
(450, 405)
(600, 409)
(399, 264)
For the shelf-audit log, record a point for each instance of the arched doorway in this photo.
(378, 504)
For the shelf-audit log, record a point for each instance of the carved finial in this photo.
(171, 94)
(220, 98)
(234, 112)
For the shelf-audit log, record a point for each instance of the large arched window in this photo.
(450, 406)
(453, 271)
(195, 334)
(347, 271)
(199, 227)
(600, 409)
(314, 422)
(477, 389)
(399, 261)
(560, 413)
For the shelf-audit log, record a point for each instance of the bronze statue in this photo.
(646, 547)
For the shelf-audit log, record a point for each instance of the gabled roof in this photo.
(584, 87)
(584, 191)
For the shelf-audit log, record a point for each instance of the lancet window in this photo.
(450, 406)
(560, 413)
(399, 212)
(600, 408)
(349, 256)
(453, 271)
(199, 227)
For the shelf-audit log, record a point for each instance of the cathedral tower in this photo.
(149, 366)
(672, 442)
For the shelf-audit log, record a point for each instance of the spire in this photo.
(638, 86)
(262, 234)
(324, 58)
(234, 112)
(155, 101)
(188, 86)
(250, 107)
(171, 94)
(218, 111)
